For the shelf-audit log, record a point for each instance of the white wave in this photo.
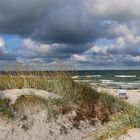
(125, 76)
(89, 76)
(106, 81)
(75, 77)
(82, 81)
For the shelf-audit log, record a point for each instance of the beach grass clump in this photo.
(89, 105)
(114, 129)
(50, 81)
(132, 117)
(34, 104)
(28, 100)
(126, 117)
(5, 109)
(83, 97)
(27, 105)
(114, 103)
(19, 82)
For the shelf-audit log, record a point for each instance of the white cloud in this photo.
(3, 49)
(2, 43)
(79, 58)
(32, 48)
(117, 9)
(125, 32)
(135, 58)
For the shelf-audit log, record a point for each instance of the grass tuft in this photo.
(5, 109)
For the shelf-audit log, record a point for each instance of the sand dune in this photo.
(35, 124)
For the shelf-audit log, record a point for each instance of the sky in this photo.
(70, 34)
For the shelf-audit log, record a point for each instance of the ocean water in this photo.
(117, 78)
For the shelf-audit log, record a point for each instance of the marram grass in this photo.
(88, 102)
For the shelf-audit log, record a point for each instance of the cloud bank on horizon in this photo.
(87, 34)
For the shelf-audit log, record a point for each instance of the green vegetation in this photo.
(89, 104)
(114, 103)
(5, 109)
(79, 96)
(36, 103)
(126, 117)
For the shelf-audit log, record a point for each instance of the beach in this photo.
(133, 95)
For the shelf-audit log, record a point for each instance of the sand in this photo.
(37, 125)
(13, 94)
(133, 95)
(133, 134)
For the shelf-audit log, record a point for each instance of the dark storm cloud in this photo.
(18, 16)
(61, 21)
(49, 21)
(9, 56)
(68, 26)
(67, 30)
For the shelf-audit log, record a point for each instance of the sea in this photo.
(129, 79)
